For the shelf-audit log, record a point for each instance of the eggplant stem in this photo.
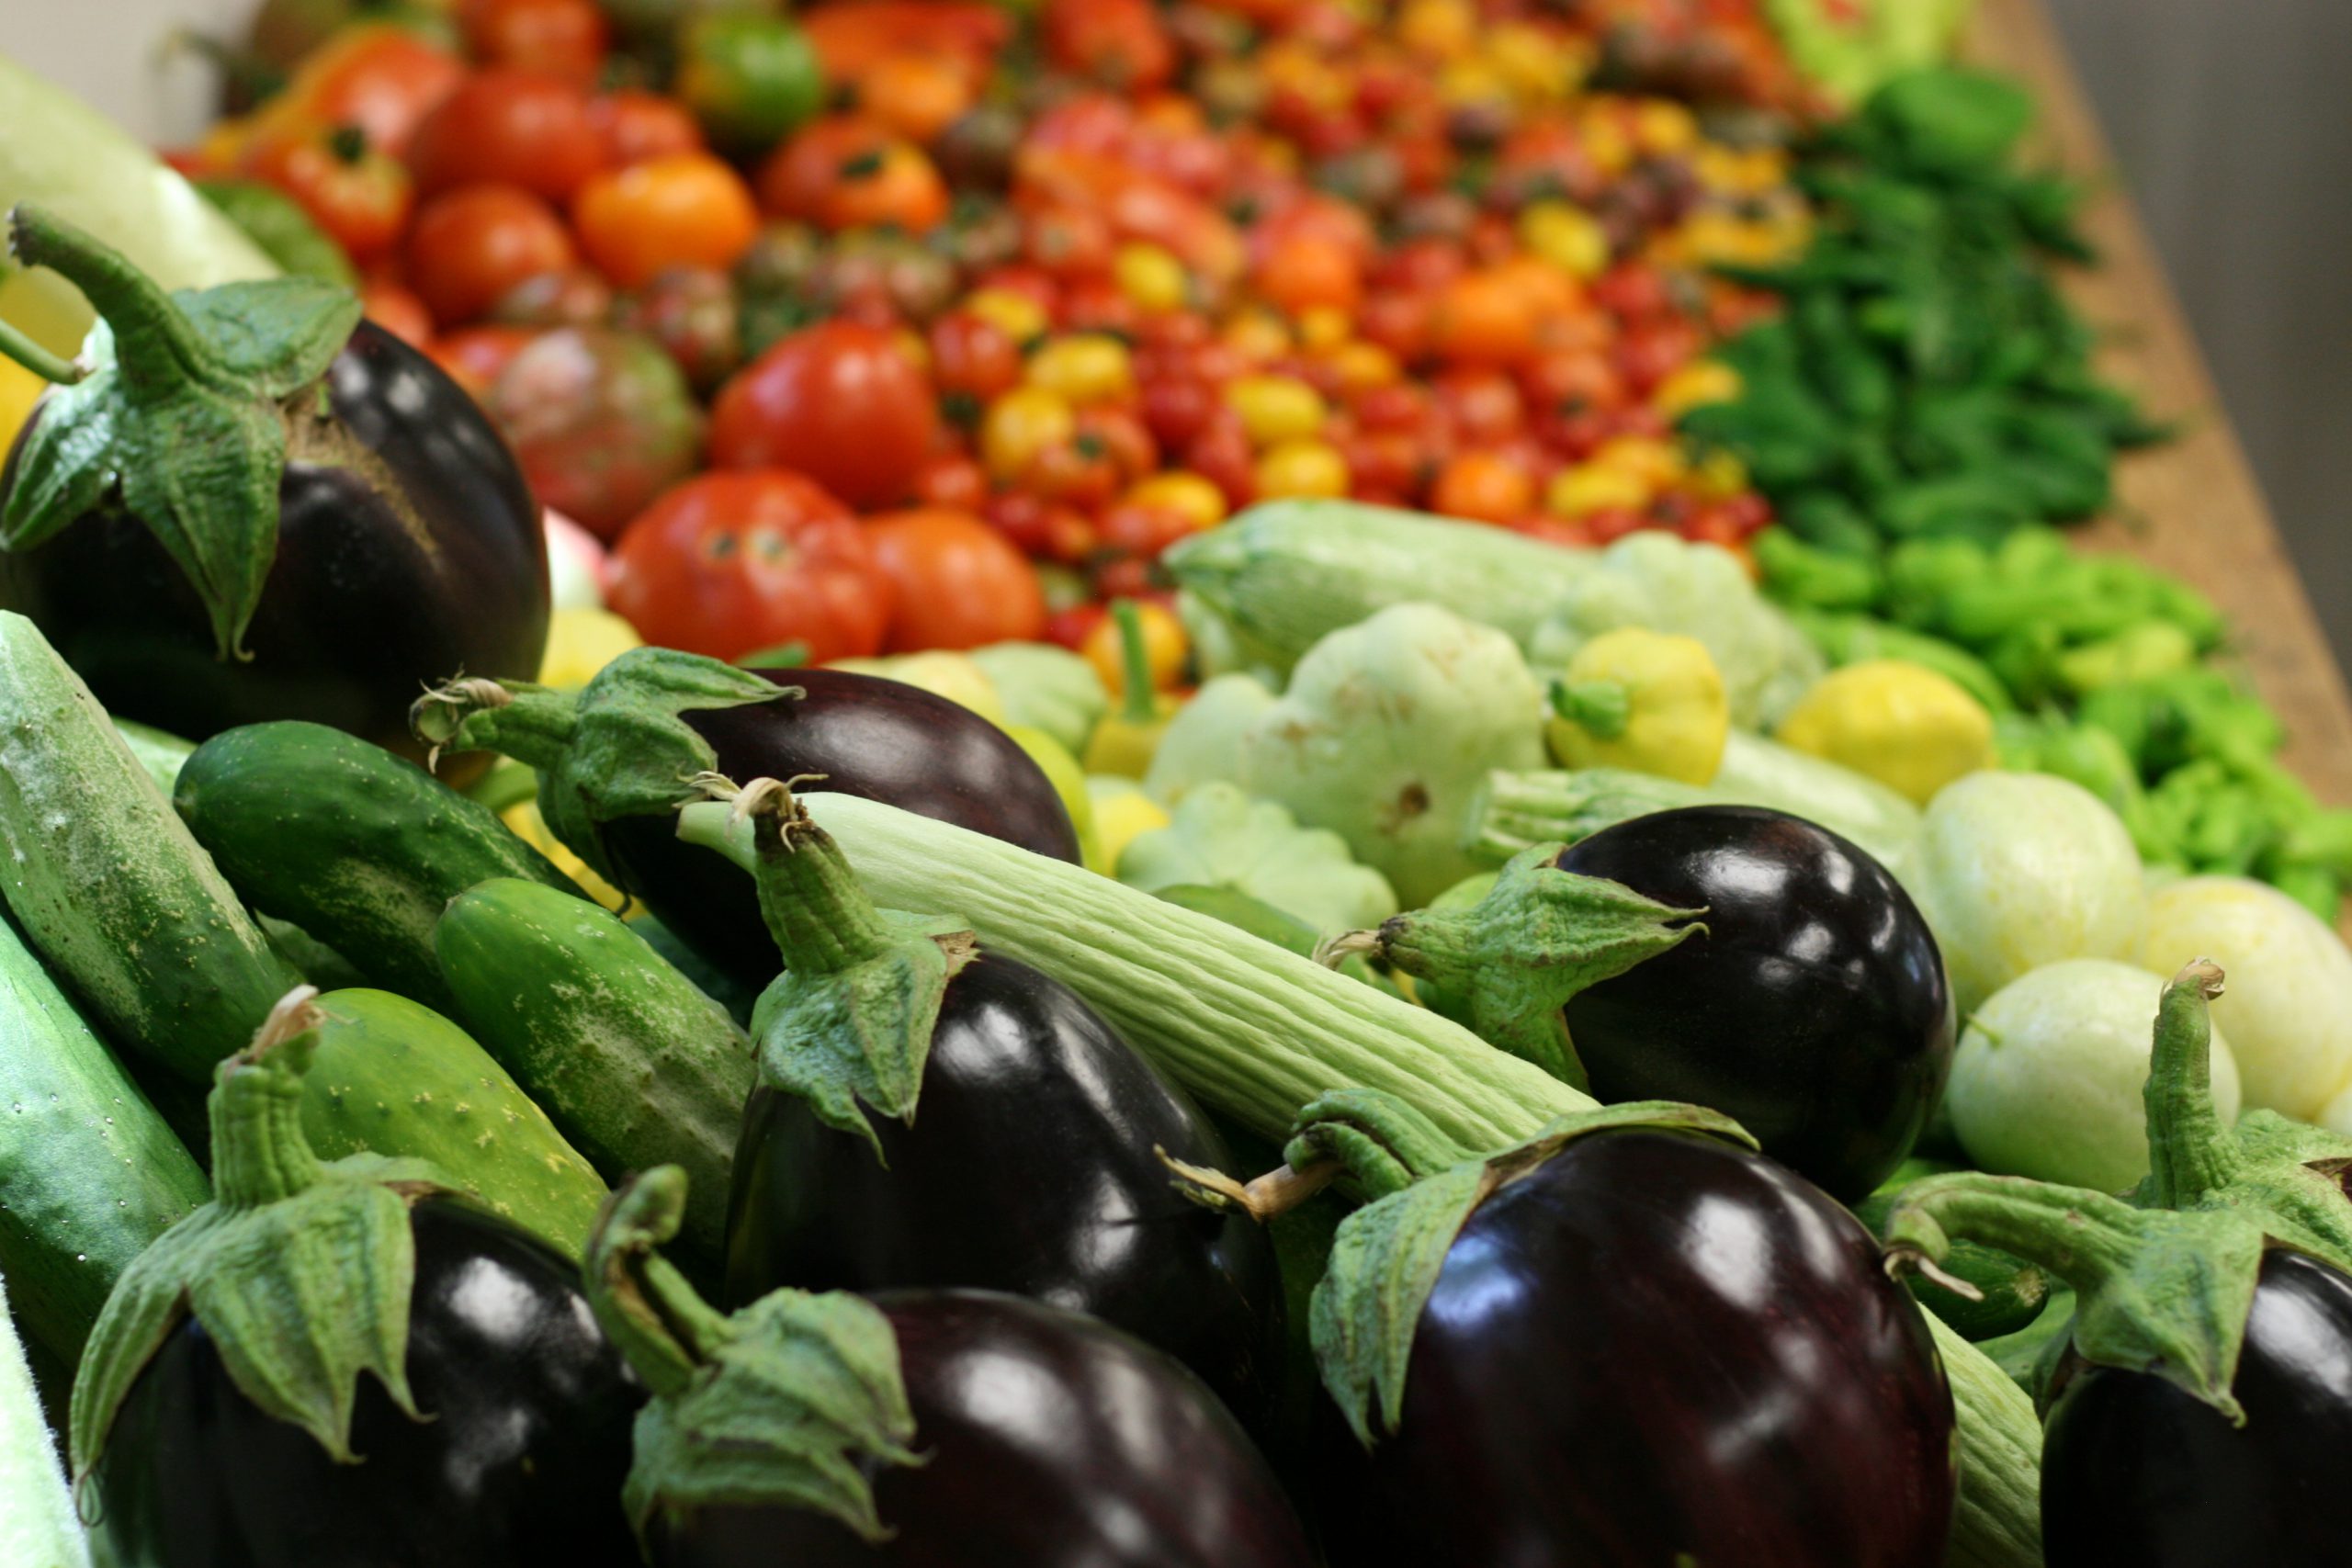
(260, 1154)
(143, 317)
(822, 921)
(2190, 1154)
(52, 369)
(1902, 1261)
(662, 1325)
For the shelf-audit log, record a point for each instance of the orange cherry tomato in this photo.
(1483, 488)
(955, 582)
(729, 563)
(1307, 271)
(632, 126)
(359, 196)
(687, 209)
(470, 245)
(474, 355)
(508, 126)
(562, 38)
(1485, 317)
(852, 39)
(847, 170)
(1119, 43)
(917, 95)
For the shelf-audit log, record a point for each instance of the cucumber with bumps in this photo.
(391, 1078)
(634, 1062)
(89, 1173)
(359, 848)
(106, 882)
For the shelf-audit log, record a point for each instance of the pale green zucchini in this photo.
(38, 1527)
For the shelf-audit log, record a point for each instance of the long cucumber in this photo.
(106, 882)
(394, 1079)
(89, 1174)
(635, 1065)
(38, 1527)
(1256, 1031)
(359, 848)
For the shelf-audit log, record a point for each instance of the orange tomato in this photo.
(398, 311)
(1120, 43)
(1309, 271)
(378, 77)
(685, 210)
(955, 582)
(848, 170)
(917, 95)
(1485, 317)
(470, 245)
(1484, 488)
(852, 39)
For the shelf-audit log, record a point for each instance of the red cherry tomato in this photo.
(727, 564)
(955, 581)
(470, 245)
(508, 126)
(840, 403)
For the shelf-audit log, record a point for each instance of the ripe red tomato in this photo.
(507, 126)
(840, 403)
(847, 170)
(973, 355)
(634, 125)
(955, 581)
(727, 564)
(563, 38)
(470, 245)
(956, 483)
(359, 195)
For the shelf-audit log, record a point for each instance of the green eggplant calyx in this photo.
(1374, 1141)
(619, 747)
(196, 401)
(1600, 708)
(2286, 1174)
(2156, 1291)
(789, 1403)
(849, 1020)
(1524, 950)
(1387, 1255)
(299, 1270)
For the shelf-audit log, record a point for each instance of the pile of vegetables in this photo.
(1393, 1050)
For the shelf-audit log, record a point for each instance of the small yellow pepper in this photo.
(1122, 743)
(1123, 814)
(1908, 726)
(1639, 699)
(579, 643)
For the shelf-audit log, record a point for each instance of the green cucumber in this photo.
(89, 1173)
(738, 997)
(395, 1078)
(106, 882)
(632, 1061)
(358, 846)
(161, 754)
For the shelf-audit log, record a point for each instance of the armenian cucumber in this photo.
(359, 848)
(38, 1527)
(89, 1174)
(106, 882)
(395, 1078)
(633, 1061)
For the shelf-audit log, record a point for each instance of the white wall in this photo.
(117, 54)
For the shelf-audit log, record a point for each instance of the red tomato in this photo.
(470, 245)
(398, 311)
(727, 564)
(563, 38)
(633, 125)
(507, 126)
(847, 170)
(378, 77)
(955, 581)
(474, 355)
(972, 355)
(956, 483)
(838, 402)
(359, 195)
(1117, 42)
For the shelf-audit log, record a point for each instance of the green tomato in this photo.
(2047, 1080)
(2288, 1002)
(2015, 870)
(751, 80)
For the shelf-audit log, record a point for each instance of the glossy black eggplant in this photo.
(2136, 1470)
(1049, 1441)
(1030, 1167)
(1814, 1009)
(520, 1462)
(407, 544)
(1655, 1347)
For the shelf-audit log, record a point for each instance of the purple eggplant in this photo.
(665, 715)
(292, 513)
(2136, 1470)
(1813, 1009)
(1652, 1348)
(1031, 1168)
(1014, 1141)
(919, 1429)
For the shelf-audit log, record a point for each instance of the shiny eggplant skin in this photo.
(2136, 1471)
(1813, 1010)
(868, 737)
(420, 558)
(1030, 1168)
(1656, 1348)
(521, 1463)
(1051, 1439)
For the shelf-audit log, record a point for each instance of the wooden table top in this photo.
(2191, 506)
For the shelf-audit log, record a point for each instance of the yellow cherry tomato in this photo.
(1184, 491)
(1311, 468)
(1587, 488)
(1657, 463)
(1699, 382)
(1020, 424)
(1015, 314)
(1151, 277)
(1566, 236)
(1086, 369)
(1275, 409)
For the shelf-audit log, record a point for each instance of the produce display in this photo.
(1244, 782)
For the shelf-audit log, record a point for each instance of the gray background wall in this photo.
(2232, 121)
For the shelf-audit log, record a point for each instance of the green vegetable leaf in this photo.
(202, 474)
(65, 462)
(282, 333)
(1388, 1255)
